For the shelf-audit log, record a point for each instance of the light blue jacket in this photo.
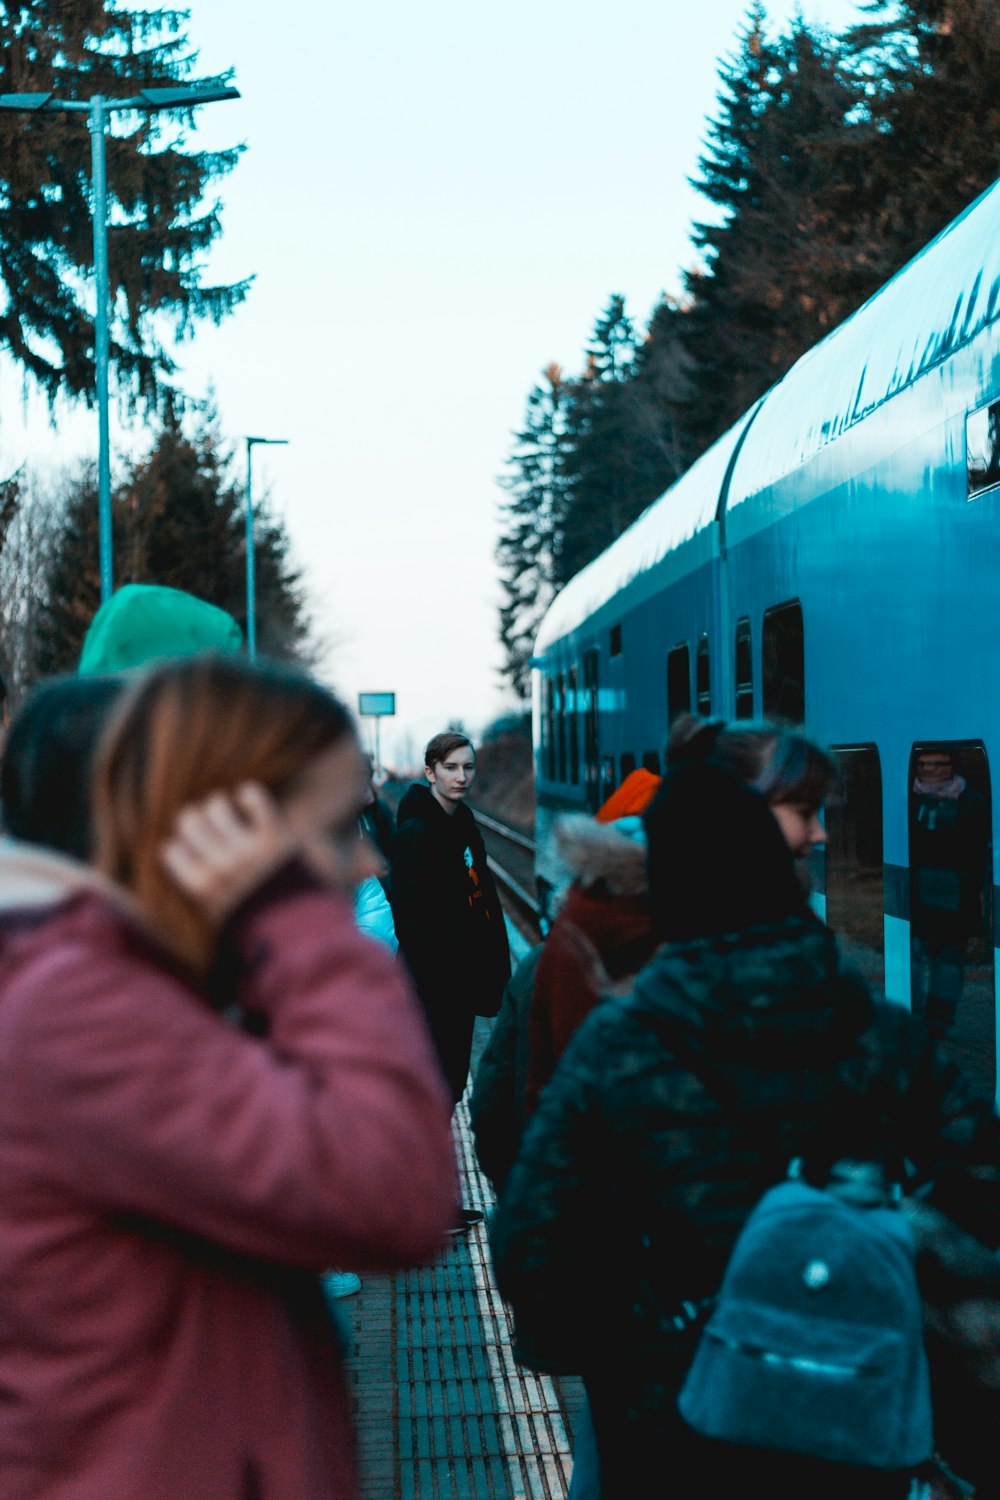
(373, 912)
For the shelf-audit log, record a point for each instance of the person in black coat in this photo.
(449, 922)
(743, 1044)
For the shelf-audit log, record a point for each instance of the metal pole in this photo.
(96, 123)
(251, 584)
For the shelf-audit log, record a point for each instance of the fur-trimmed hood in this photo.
(607, 852)
(37, 878)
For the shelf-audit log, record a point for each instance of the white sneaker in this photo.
(341, 1283)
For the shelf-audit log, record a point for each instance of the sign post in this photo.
(377, 706)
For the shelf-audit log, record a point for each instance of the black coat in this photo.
(445, 906)
(670, 1113)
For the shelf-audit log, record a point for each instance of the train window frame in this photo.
(561, 725)
(591, 728)
(971, 761)
(549, 729)
(982, 442)
(854, 857)
(743, 668)
(573, 687)
(783, 662)
(703, 677)
(678, 672)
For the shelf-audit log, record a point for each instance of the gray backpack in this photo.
(814, 1344)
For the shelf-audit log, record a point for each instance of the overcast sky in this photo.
(437, 201)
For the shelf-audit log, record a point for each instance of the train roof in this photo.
(676, 517)
(936, 302)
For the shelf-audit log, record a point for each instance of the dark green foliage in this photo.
(532, 524)
(178, 520)
(929, 141)
(776, 274)
(162, 217)
(829, 164)
(591, 456)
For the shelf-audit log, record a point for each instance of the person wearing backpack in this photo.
(744, 1044)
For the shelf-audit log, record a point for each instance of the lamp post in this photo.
(98, 109)
(251, 576)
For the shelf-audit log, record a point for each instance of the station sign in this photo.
(376, 705)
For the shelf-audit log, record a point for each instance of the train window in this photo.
(982, 448)
(651, 761)
(678, 682)
(561, 726)
(854, 874)
(574, 730)
(549, 729)
(616, 640)
(744, 670)
(703, 683)
(951, 901)
(784, 663)
(627, 764)
(591, 769)
(607, 777)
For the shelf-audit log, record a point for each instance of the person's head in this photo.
(191, 727)
(717, 859)
(47, 760)
(791, 770)
(934, 767)
(450, 766)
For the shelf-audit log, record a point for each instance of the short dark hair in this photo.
(442, 745)
(47, 761)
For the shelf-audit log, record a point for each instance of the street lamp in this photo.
(99, 109)
(251, 581)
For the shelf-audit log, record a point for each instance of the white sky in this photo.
(437, 200)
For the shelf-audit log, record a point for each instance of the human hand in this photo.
(223, 847)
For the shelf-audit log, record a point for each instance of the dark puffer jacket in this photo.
(643, 1160)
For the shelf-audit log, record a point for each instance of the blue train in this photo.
(834, 558)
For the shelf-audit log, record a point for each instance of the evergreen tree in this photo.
(777, 266)
(928, 141)
(162, 217)
(178, 520)
(616, 457)
(531, 525)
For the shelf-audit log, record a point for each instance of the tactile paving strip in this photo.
(443, 1412)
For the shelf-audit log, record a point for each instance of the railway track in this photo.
(510, 855)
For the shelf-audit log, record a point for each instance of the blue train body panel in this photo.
(858, 504)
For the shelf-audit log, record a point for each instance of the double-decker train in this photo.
(833, 558)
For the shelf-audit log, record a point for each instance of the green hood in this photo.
(144, 621)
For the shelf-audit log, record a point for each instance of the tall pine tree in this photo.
(776, 272)
(163, 215)
(178, 520)
(927, 142)
(532, 521)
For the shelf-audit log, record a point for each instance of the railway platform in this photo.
(442, 1410)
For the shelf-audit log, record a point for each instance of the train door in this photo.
(854, 873)
(952, 967)
(591, 746)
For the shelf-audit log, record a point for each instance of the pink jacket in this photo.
(170, 1186)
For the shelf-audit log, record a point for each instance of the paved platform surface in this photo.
(442, 1410)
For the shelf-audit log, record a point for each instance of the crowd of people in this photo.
(237, 1005)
